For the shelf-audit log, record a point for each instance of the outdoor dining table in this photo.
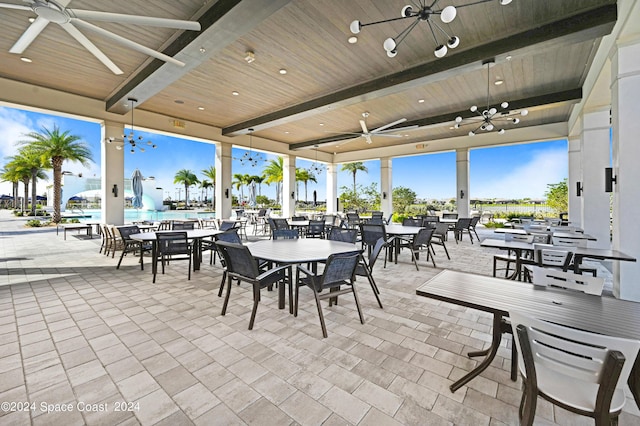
(579, 253)
(569, 235)
(297, 251)
(399, 231)
(603, 315)
(192, 234)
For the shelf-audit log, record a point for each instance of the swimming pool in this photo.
(131, 215)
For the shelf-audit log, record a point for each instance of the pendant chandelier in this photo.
(250, 158)
(316, 168)
(423, 13)
(491, 117)
(133, 141)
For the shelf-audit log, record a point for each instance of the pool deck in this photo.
(76, 330)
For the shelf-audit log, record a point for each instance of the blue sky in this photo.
(515, 171)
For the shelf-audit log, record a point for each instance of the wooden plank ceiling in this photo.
(542, 49)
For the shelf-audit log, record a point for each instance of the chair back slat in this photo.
(569, 242)
(342, 234)
(229, 236)
(518, 237)
(183, 225)
(339, 268)
(238, 259)
(126, 231)
(173, 243)
(371, 233)
(570, 352)
(422, 238)
(584, 283)
(285, 234)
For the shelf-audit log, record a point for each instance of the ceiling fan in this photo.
(70, 19)
(380, 131)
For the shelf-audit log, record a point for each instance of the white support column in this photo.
(625, 92)
(386, 186)
(575, 175)
(112, 174)
(462, 182)
(223, 180)
(594, 146)
(332, 188)
(288, 186)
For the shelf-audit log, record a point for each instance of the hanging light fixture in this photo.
(316, 168)
(423, 13)
(250, 158)
(131, 138)
(491, 118)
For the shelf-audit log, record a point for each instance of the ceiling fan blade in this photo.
(135, 20)
(126, 42)
(399, 129)
(14, 6)
(386, 135)
(344, 133)
(75, 33)
(29, 35)
(364, 126)
(402, 120)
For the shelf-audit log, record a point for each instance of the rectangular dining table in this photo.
(579, 253)
(192, 234)
(497, 296)
(297, 251)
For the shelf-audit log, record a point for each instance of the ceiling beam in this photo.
(587, 25)
(549, 99)
(222, 24)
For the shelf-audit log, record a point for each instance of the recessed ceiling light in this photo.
(282, 71)
(322, 124)
(420, 101)
(234, 93)
(32, 20)
(179, 101)
(498, 82)
(509, 57)
(201, 108)
(25, 59)
(286, 133)
(202, 50)
(353, 40)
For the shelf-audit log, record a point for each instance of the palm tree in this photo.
(36, 167)
(354, 168)
(56, 147)
(210, 174)
(10, 174)
(240, 180)
(187, 178)
(21, 172)
(273, 173)
(304, 176)
(205, 185)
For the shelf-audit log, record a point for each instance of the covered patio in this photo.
(75, 329)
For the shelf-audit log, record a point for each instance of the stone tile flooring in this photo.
(84, 343)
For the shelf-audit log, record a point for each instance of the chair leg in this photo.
(224, 279)
(355, 296)
(374, 287)
(121, 256)
(415, 261)
(256, 300)
(226, 297)
(433, 259)
(324, 328)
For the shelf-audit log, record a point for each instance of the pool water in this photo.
(131, 215)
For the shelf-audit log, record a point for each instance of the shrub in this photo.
(494, 225)
(34, 223)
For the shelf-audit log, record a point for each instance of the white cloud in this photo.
(528, 180)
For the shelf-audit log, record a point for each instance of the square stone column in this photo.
(223, 180)
(595, 157)
(625, 113)
(112, 173)
(462, 182)
(332, 188)
(386, 186)
(575, 176)
(288, 186)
